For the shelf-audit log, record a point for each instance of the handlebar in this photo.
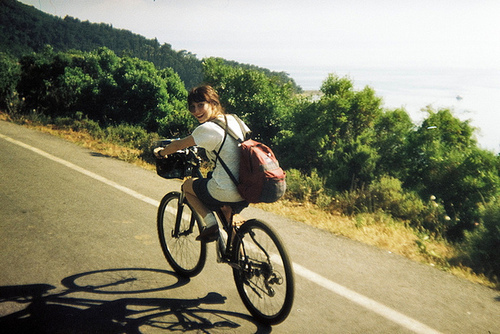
(183, 163)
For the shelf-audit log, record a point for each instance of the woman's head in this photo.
(204, 104)
(205, 94)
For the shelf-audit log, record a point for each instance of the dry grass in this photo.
(84, 139)
(381, 231)
(364, 228)
(374, 229)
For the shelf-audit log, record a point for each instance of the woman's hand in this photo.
(157, 153)
(174, 146)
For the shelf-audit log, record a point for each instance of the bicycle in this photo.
(262, 269)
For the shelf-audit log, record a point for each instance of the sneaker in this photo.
(209, 234)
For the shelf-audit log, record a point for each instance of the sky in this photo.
(309, 39)
(279, 34)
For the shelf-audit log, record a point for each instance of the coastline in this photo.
(416, 88)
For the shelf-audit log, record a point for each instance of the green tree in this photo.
(352, 165)
(105, 88)
(443, 160)
(331, 135)
(261, 101)
(9, 78)
(390, 135)
(40, 75)
(298, 142)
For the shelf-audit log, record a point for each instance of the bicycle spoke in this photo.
(264, 277)
(178, 234)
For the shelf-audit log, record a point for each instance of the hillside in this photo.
(24, 29)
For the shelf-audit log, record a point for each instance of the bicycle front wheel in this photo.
(264, 276)
(178, 227)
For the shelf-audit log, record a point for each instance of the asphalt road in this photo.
(80, 255)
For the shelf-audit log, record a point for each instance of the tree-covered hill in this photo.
(24, 29)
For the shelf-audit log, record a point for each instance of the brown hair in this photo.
(205, 93)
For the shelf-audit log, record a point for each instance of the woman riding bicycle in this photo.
(208, 194)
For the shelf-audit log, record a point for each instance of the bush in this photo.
(99, 84)
(307, 188)
(9, 77)
(433, 218)
(386, 194)
(64, 122)
(78, 122)
(131, 136)
(90, 126)
(482, 245)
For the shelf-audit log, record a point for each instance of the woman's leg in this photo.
(210, 232)
(227, 211)
(198, 205)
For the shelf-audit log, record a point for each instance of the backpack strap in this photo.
(247, 134)
(227, 131)
(225, 126)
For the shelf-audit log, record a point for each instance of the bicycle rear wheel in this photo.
(178, 227)
(264, 277)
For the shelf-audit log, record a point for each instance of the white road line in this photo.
(366, 302)
(353, 296)
(84, 171)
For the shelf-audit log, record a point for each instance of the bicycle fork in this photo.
(180, 211)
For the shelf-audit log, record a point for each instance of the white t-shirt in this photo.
(210, 136)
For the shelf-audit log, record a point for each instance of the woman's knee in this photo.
(187, 186)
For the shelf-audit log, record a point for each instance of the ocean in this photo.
(472, 94)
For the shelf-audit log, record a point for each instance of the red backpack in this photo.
(261, 179)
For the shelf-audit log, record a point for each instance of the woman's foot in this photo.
(209, 234)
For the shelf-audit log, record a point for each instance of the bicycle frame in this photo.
(226, 225)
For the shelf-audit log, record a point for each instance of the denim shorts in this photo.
(201, 191)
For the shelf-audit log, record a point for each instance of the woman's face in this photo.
(202, 111)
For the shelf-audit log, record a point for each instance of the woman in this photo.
(208, 194)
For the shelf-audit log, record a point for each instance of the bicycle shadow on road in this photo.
(43, 308)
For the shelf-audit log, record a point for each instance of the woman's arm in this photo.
(175, 146)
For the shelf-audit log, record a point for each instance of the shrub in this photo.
(9, 77)
(64, 122)
(386, 194)
(132, 136)
(482, 245)
(90, 126)
(433, 218)
(78, 122)
(307, 188)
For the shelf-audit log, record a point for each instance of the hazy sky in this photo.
(413, 52)
(280, 34)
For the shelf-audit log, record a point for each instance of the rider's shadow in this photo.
(40, 310)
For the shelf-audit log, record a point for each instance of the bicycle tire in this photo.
(184, 253)
(265, 283)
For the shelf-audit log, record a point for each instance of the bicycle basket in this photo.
(175, 166)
